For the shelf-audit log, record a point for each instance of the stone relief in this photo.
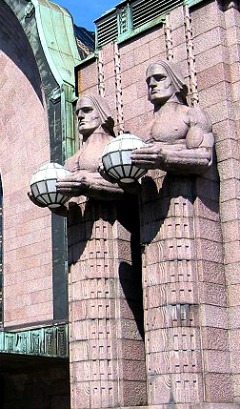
(179, 137)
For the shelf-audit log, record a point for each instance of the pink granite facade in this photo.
(153, 281)
(24, 147)
(188, 226)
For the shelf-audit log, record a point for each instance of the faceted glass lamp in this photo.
(117, 161)
(43, 185)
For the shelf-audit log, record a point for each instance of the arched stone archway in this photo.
(35, 104)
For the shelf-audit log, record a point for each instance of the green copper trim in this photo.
(57, 37)
(47, 341)
(134, 32)
(191, 3)
(70, 142)
(56, 33)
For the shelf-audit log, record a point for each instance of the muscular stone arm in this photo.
(190, 155)
(89, 184)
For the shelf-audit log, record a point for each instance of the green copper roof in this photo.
(55, 27)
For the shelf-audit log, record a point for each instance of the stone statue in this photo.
(95, 124)
(180, 138)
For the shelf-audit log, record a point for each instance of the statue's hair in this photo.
(175, 75)
(107, 121)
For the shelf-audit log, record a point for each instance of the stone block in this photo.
(212, 57)
(180, 388)
(232, 273)
(230, 232)
(172, 293)
(109, 70)
(127, 59)
(141, 54)
(130, 93)
(209, 39)
(232, 252)
(230, 189)
(204, 227)
(234, 317)
(210, 251)
(218, 388)
(229, 169)
(230, 210)
(172, 316)
(173, 362)
(133, 394)
(134, 108)
(176, 19)
(89, 78)
(213, 294)
(172, 339)
(157, 47)
(234, 53)
(214, 316)
(213, 76)
(226, 149)
(236, 388)
(215, 339)
(205, 18)
(206, 208)
(217, 362)
(218, 92)
(108, 53)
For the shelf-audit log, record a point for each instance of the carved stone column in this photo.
(107, 362)
(183, 284)
(171, 301)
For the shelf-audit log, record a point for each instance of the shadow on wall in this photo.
(172, 186)
(14, 43)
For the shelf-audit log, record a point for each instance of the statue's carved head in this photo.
(93, 113)
(165, 81)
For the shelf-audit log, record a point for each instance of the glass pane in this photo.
(107, 161)
(51, 185)
(126, 157)
(115, 157)
(42, 187)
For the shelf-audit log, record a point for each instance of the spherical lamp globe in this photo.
(116, 158)
(43, 185)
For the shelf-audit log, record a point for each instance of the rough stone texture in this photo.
(24, 147)
(189, 226)
(106, 348)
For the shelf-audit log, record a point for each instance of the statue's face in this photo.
(160, 87)
(88, 117)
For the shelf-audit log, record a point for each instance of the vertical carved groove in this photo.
(118, 87)
(193, 91)
(101, 84)
(168, 38)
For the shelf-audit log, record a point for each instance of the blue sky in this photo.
(84, 12)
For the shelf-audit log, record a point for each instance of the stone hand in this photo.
(149, 157)
(73, 185)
